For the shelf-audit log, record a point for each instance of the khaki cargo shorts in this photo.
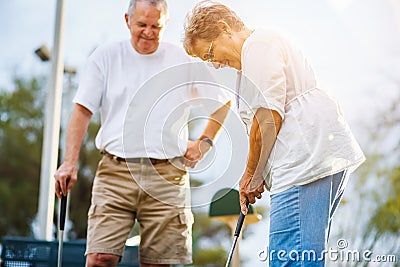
(156, 196)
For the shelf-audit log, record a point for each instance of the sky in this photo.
(351, 43)
(354, 46)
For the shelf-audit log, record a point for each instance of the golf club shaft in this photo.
(63, 212)
(235, 238)
(236, 234)
(60, 247)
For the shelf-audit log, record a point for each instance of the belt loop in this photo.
(111, 156)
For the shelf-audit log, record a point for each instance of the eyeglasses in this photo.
(209, 56)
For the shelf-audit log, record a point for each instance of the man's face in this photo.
(146, 27)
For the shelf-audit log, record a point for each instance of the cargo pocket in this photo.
(91, 221)
(92, 210)
(186, 217)
(185, 248)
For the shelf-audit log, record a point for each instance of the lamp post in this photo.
(44, 54)
(51, 132)
(69, 71)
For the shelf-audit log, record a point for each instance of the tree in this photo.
(21, 133)
(20, 141)
(379, 183)
(386, 164)
(208, 237)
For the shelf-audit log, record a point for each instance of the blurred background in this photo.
(354, 46)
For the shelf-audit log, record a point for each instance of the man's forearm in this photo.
(76, 132)
(216, 120)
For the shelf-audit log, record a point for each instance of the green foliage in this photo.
(382, 170)
(21, 134)
(210, 257)
(212, 239)
(213, 234)
(386, 218)
(21, 126)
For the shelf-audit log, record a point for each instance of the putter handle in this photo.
(63, 211)
(240, 221)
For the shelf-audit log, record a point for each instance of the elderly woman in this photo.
(301, 148)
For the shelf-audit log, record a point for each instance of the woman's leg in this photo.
(300, 222)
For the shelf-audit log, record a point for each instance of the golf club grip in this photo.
(240, 221)
(63, 211)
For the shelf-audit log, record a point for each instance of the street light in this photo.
(45, 55)
(51, 131)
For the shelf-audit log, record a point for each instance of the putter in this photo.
(63, 211)
(236, 235)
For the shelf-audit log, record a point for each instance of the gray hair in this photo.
(160, 4)
(202, 23)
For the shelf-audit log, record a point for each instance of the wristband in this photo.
(207, 140)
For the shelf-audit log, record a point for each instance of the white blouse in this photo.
(314, 140)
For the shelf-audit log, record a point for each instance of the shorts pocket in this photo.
(186, 217)
(92, 210)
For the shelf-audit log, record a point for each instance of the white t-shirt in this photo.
(314, 140)
(144, 100)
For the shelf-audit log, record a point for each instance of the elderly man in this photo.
(114, 73)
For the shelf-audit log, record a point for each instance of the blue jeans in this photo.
(301, 219)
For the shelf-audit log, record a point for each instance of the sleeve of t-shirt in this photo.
(264, 65)
(91, 85)
(207, 89)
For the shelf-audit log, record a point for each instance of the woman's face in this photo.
(220, 52)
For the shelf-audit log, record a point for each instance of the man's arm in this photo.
(68, 171)
(263, 133)
(197, 149)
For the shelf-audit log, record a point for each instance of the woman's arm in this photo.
(263, 133)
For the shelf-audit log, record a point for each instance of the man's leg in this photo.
(153, 265)
(112, 213)
(109, 260)
(164, 216)
(101, 260)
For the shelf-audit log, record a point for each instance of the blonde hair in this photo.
(202, 23)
